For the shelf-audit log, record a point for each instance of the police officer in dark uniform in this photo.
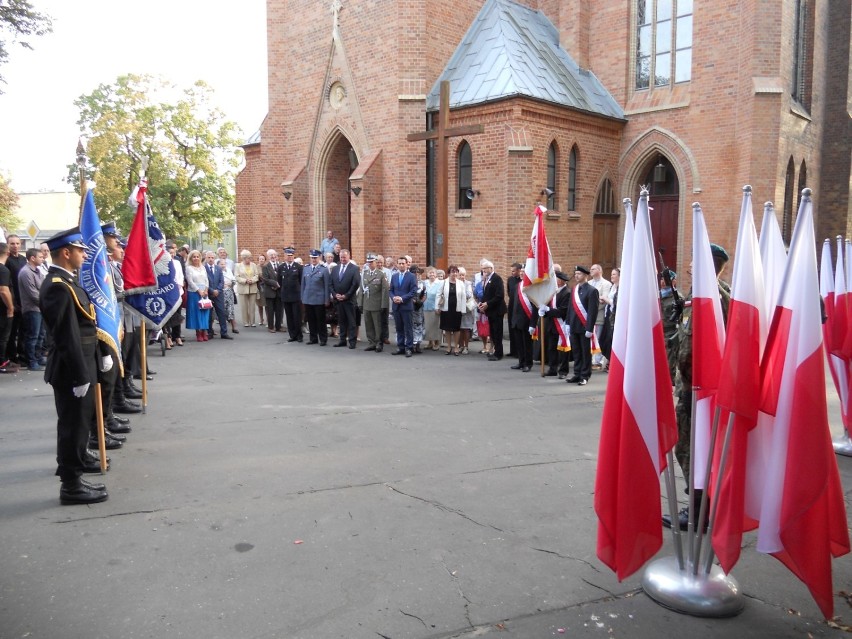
(290, 277)
(73, 364)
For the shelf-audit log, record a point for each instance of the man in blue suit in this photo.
(316, 295)
(344, 284)
(403, 288)
(217, 295)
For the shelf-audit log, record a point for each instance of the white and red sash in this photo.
(579, 309)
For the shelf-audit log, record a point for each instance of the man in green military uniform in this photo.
(670, 316)
(372, 299)
(681, 345)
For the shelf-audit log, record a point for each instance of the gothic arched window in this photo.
(465, 173)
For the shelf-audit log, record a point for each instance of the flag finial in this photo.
(806, 192)
(747, 189)
(696, 205)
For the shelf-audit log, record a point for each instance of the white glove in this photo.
(542, 310)
(106, 363)
(80, 391)
(589, 334)
(532, 330)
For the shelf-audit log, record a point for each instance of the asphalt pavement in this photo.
(286, 490)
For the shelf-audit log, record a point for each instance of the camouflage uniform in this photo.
(670, 325)
(681, 345)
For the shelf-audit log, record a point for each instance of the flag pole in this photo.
(143, 366)
(541, 351)
(702, 511)
(671, 489)
(99, 409)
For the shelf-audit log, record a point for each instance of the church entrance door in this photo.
(338, 197)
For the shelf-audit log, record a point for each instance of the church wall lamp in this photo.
(472, 193)
(546, 192)
(287, 190)
(356, 190)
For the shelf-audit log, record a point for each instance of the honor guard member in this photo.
(681, 344)
(290, 276)
(373, 300)
(72, 368)
(115, 426)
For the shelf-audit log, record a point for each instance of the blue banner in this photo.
(159, 305)
(96, 279)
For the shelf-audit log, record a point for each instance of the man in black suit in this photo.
(72, 368)
(272, 291)
(493, 305)
(345, 280)
(558, 361)
(290, 277)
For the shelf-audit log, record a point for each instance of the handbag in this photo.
(482, 326)
(205, 303)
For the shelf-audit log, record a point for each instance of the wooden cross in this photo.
(441, 136)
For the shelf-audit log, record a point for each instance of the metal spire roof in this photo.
(511, 50)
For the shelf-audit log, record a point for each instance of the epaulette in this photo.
(57, 280)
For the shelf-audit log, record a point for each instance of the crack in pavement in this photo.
(553, 552)
(131, 512)
(466, 632)
(467, 601)
(441, 506)
(609, 592)
(408, 614)
(343, 487)
(544, 463)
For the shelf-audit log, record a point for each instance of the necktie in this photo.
(400, 279)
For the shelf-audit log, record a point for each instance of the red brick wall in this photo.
(733, 123)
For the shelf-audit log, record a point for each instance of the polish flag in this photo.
(538, 277)
(803, 519)
(638, 426)
(739, 386)
(138, 267)
(708, 342)
(832, 288)
(773, 256)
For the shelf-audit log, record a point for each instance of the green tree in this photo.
(8, 205)
(192, 153)
(18, 21)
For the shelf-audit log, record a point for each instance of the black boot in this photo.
(683, 515)
(76, 492)
(131, 391)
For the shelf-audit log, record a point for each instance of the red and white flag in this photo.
(538, 277)
(832, 288)
(739, 386)
(708, 341)
(803, 519)
(638, 426)
(138, 267)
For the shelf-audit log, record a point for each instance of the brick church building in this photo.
(573, 103)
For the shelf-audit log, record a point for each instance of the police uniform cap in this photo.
(108, 228)
(290, 250)
(68, 237)
(315, 253)
(582, 269)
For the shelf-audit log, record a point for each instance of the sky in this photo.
(94, 42)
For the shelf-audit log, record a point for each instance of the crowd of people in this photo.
(47, 322)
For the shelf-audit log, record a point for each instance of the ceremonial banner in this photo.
(803, 518)
(158, 305)
(538, 276)
(137, 269)
(638, 426)
(96, 279)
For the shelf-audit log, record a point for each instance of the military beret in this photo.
(582, 269)
(719, 253)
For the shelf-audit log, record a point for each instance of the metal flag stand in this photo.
(843, 445)
(680, 583)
